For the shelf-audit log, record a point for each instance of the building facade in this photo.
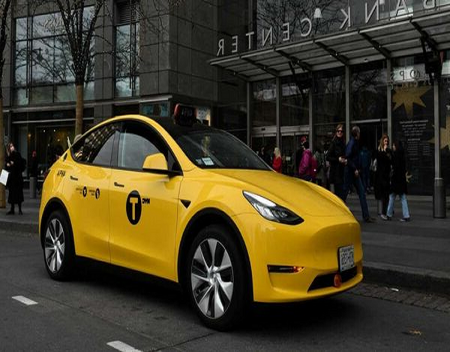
(269, 71)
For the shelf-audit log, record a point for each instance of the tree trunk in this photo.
(79, 110)
(2, 155)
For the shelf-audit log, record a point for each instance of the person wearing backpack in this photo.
(308, 165)
(14, 165)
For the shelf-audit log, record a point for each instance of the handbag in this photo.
(4, 177)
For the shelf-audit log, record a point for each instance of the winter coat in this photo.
(382, 175)
(336, 150)
(15, 179)
(305, 170)
(277, 164)
(352, 155)
(398, 179)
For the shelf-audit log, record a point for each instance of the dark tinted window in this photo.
(136, 142)
(96, 147)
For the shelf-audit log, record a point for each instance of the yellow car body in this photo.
(284, 262)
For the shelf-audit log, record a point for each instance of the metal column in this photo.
(389, 99)
(249, 114)
(347, 102)
(278, 111)
(439, 207)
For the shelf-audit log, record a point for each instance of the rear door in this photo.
(88, 186)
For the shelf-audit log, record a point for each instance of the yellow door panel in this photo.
(89, 209)
(144, 221)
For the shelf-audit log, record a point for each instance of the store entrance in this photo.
(290, 143)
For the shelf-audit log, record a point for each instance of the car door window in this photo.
(96, 148)
(136, 142)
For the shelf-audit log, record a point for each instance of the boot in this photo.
(20, 209)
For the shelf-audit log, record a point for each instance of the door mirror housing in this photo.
(157, 164)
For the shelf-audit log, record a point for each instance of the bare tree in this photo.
(79, 28)
(4, 11)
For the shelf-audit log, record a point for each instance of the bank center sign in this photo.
(372, 11)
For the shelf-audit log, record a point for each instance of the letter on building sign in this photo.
(234, 44)
(249, 35)
(429, 4)
(265, 37)
(308, 32)
(347, 19)
(375, 7)
(286, 32)
(400, 7)
(221, 43)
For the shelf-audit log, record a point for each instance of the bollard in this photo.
(33, 183)
(439, 209)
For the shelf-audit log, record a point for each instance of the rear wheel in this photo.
(216, 278)
(59, 253)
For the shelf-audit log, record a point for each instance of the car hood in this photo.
(298, 195)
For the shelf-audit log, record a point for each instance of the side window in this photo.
(136, 142)
(96, 148)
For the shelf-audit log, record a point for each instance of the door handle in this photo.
(73, 178)
(118, 185)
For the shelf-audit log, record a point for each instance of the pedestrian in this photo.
(321, 170)
(277, 163)
(265, 156)
(352, 174)
(383, 174)
(336, 158)
(299, 154)
(398, 182)
(308, 165)
(15, 165)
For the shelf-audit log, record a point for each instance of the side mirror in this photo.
(155, 162)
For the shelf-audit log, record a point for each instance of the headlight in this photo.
(272, 211)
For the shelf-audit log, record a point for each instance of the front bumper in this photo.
(311, 247)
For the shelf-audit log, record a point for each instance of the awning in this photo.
(397, 38)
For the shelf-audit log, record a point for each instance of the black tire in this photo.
(59, 253)
(217, 292)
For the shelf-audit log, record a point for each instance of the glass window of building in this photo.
(127, 49)
(43, 71)
(295, 100)
(413, 120)
(328, 104)
(264, 103)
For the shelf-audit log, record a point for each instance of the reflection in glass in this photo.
(264, 103)
(295, 100)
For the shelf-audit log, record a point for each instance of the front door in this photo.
(143, 206)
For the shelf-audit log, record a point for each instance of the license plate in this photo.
(346, 258)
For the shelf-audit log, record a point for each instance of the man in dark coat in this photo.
(14, 165)
(336, 158)
(352, 175)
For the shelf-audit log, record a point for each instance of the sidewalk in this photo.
(414, 255)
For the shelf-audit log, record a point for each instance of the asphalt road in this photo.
(104, 311)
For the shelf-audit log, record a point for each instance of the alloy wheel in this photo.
(54, 245)
(212, 278)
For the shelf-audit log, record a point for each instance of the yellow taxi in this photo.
(192, 204)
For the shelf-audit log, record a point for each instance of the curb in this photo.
(431, 281)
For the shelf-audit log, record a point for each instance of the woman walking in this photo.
(398, 182)
(336, 158)
(277, 161)
(14, 165)
(383, 174)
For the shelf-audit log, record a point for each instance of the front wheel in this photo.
(216, 278)
(58, 247)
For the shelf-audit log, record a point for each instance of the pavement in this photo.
(412, 255)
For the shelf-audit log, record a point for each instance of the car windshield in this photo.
(211, 148)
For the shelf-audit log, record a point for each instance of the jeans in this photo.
(351, 179)
(405, 210)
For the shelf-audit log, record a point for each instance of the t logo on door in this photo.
(134, 207)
